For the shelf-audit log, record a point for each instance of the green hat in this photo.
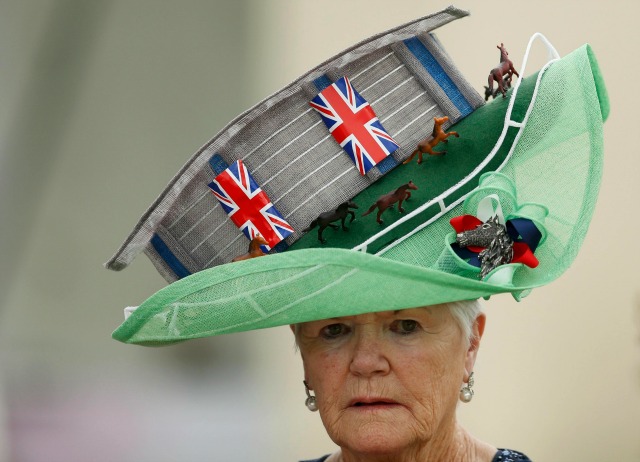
(526, 168)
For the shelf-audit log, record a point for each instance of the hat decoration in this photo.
(354, 125)
(470, 224)
(487, 241)
(248, 206)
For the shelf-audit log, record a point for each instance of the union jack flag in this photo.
(248, 205)
(354, 124)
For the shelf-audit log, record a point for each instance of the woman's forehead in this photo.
(423, 311)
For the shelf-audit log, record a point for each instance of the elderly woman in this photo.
(387, 384)
(384, 315)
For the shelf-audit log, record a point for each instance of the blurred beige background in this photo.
(101, 102)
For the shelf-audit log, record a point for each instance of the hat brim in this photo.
(310, 284)
(289, 288)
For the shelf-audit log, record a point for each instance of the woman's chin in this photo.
(375, 430)
(374, 443)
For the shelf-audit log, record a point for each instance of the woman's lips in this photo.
(370, 403)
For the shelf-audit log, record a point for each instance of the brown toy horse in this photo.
(493, 92)
(502, 73)
(384, 202)
(254, 249)
(437, 136)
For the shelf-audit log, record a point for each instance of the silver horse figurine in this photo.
(498, 246)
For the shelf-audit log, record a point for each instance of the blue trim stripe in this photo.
(386, 165)
(439, 75)
(170, 259)
(322, 82)
(218, 164)
(281, 246)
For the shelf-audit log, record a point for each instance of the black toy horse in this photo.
(325, 219)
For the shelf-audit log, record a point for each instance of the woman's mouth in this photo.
(379, 403)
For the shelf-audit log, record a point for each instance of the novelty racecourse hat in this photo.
(379, 180)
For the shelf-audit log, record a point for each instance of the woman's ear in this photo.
(474, 344)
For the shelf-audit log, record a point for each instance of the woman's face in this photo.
(389, 381)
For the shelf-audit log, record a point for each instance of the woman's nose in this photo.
(368, 356)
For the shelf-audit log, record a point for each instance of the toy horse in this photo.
(325, 219)
(437, 136)
(504, 69)
(506, 84)
(387, 200)
(493, 236)
(254, 249)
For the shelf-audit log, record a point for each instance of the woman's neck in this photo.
(459, 446)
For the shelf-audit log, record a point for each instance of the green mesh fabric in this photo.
(556, 162)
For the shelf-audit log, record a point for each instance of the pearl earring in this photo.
(310, 402)
(466, 392)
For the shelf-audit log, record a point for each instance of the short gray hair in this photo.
(465, 313)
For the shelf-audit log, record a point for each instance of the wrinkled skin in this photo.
(387, 384)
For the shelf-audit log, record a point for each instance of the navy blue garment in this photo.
(507, 455)
(503, 455)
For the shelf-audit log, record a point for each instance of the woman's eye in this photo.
(334, 330)
(405, 326)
